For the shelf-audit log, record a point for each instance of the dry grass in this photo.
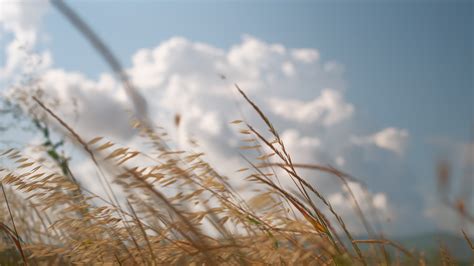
(174, 208)
(171, 207)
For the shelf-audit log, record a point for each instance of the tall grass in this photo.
(50, 218)
(174, 207)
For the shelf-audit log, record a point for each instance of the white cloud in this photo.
(305, 55)
(288, 68)
(301, 148)
(92, 108)
(303, 94)
(333, 67)
(391, 139)
(370, 203)
(361, 195)
(22, 20)
(183, 77)
(329, 108)
(211, 123)
(340, 161)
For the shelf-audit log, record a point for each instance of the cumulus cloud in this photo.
(183, 77)
(375, 206)
(391, 139)
(22, 19)
(301, 148)
(91, 107)
(303, 95)
(305, 55)
(328, 108)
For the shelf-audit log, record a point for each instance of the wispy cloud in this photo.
(391, 139)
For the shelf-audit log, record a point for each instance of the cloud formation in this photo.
(21, 20)
(303, 95)
(354, 194)
(328, 108)
(391, 139)
(183, 77)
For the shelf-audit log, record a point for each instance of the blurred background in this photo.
(383, 90)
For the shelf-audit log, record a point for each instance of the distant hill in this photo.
(430, 243)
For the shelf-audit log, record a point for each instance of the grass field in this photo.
(162, 206)
(174, 208)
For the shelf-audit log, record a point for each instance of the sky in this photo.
(380, 89)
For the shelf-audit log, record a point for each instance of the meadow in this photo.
(163, 206)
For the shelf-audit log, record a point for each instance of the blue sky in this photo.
(401, 58)
(407, 65)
